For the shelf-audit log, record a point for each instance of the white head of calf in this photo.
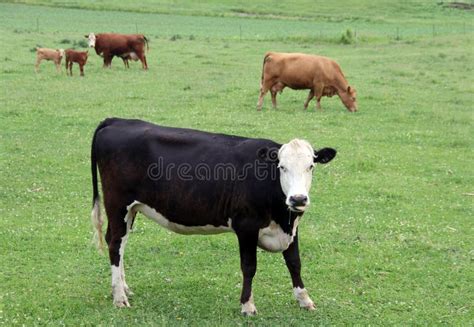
(91, 39)
(296, 162)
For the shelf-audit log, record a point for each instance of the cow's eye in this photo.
(283, 169)
(310, 168)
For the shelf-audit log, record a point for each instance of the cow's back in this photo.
(299, 70)
(182, 166)
(119, 43)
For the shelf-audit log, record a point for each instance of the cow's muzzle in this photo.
(298, 202)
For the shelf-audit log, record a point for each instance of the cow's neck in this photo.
(283, 216)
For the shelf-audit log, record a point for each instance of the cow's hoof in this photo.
(249, 314)
(309, 307)
(248, 308)
(121, 302)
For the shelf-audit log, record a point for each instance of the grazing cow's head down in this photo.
(91, 39)
(296, 162)
(349, 99)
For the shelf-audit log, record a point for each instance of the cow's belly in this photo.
(151, 213)
(272, 238)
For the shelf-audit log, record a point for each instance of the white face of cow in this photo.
(296, 172)
(91, 40)
(296, 161)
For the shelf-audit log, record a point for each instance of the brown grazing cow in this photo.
(125, 46)
(321, 75)
(55, 55)
(79, 57)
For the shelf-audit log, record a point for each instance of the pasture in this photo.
(389, 237)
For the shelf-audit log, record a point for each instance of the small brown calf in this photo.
(79, 57)
(129, 56)
(54, 55)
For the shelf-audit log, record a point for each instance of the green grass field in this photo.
(389, 238)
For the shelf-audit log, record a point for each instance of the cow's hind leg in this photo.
(120, 220)
(264, 87)
(129, 218)
(142, 58)
(318, 93)
(293, 262)
(38, 61)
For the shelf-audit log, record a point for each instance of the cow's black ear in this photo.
(262, 153)
(324, 155)
(86, 36)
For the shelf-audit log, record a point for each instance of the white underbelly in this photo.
(272, 238)
(178, 228)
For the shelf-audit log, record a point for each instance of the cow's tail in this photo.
(96, 217)
(265, 59)
(146, 42)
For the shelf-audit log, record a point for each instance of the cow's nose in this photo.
(298, 200)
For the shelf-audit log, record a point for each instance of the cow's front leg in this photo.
(107, 60)
(308, 99)
(58, 65)
(293, 262)
(248, 264)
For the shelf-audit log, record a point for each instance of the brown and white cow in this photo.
(125, 46)
(54, 55)
(298, 71)
(79, 57)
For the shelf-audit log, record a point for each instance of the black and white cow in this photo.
(193, 182)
